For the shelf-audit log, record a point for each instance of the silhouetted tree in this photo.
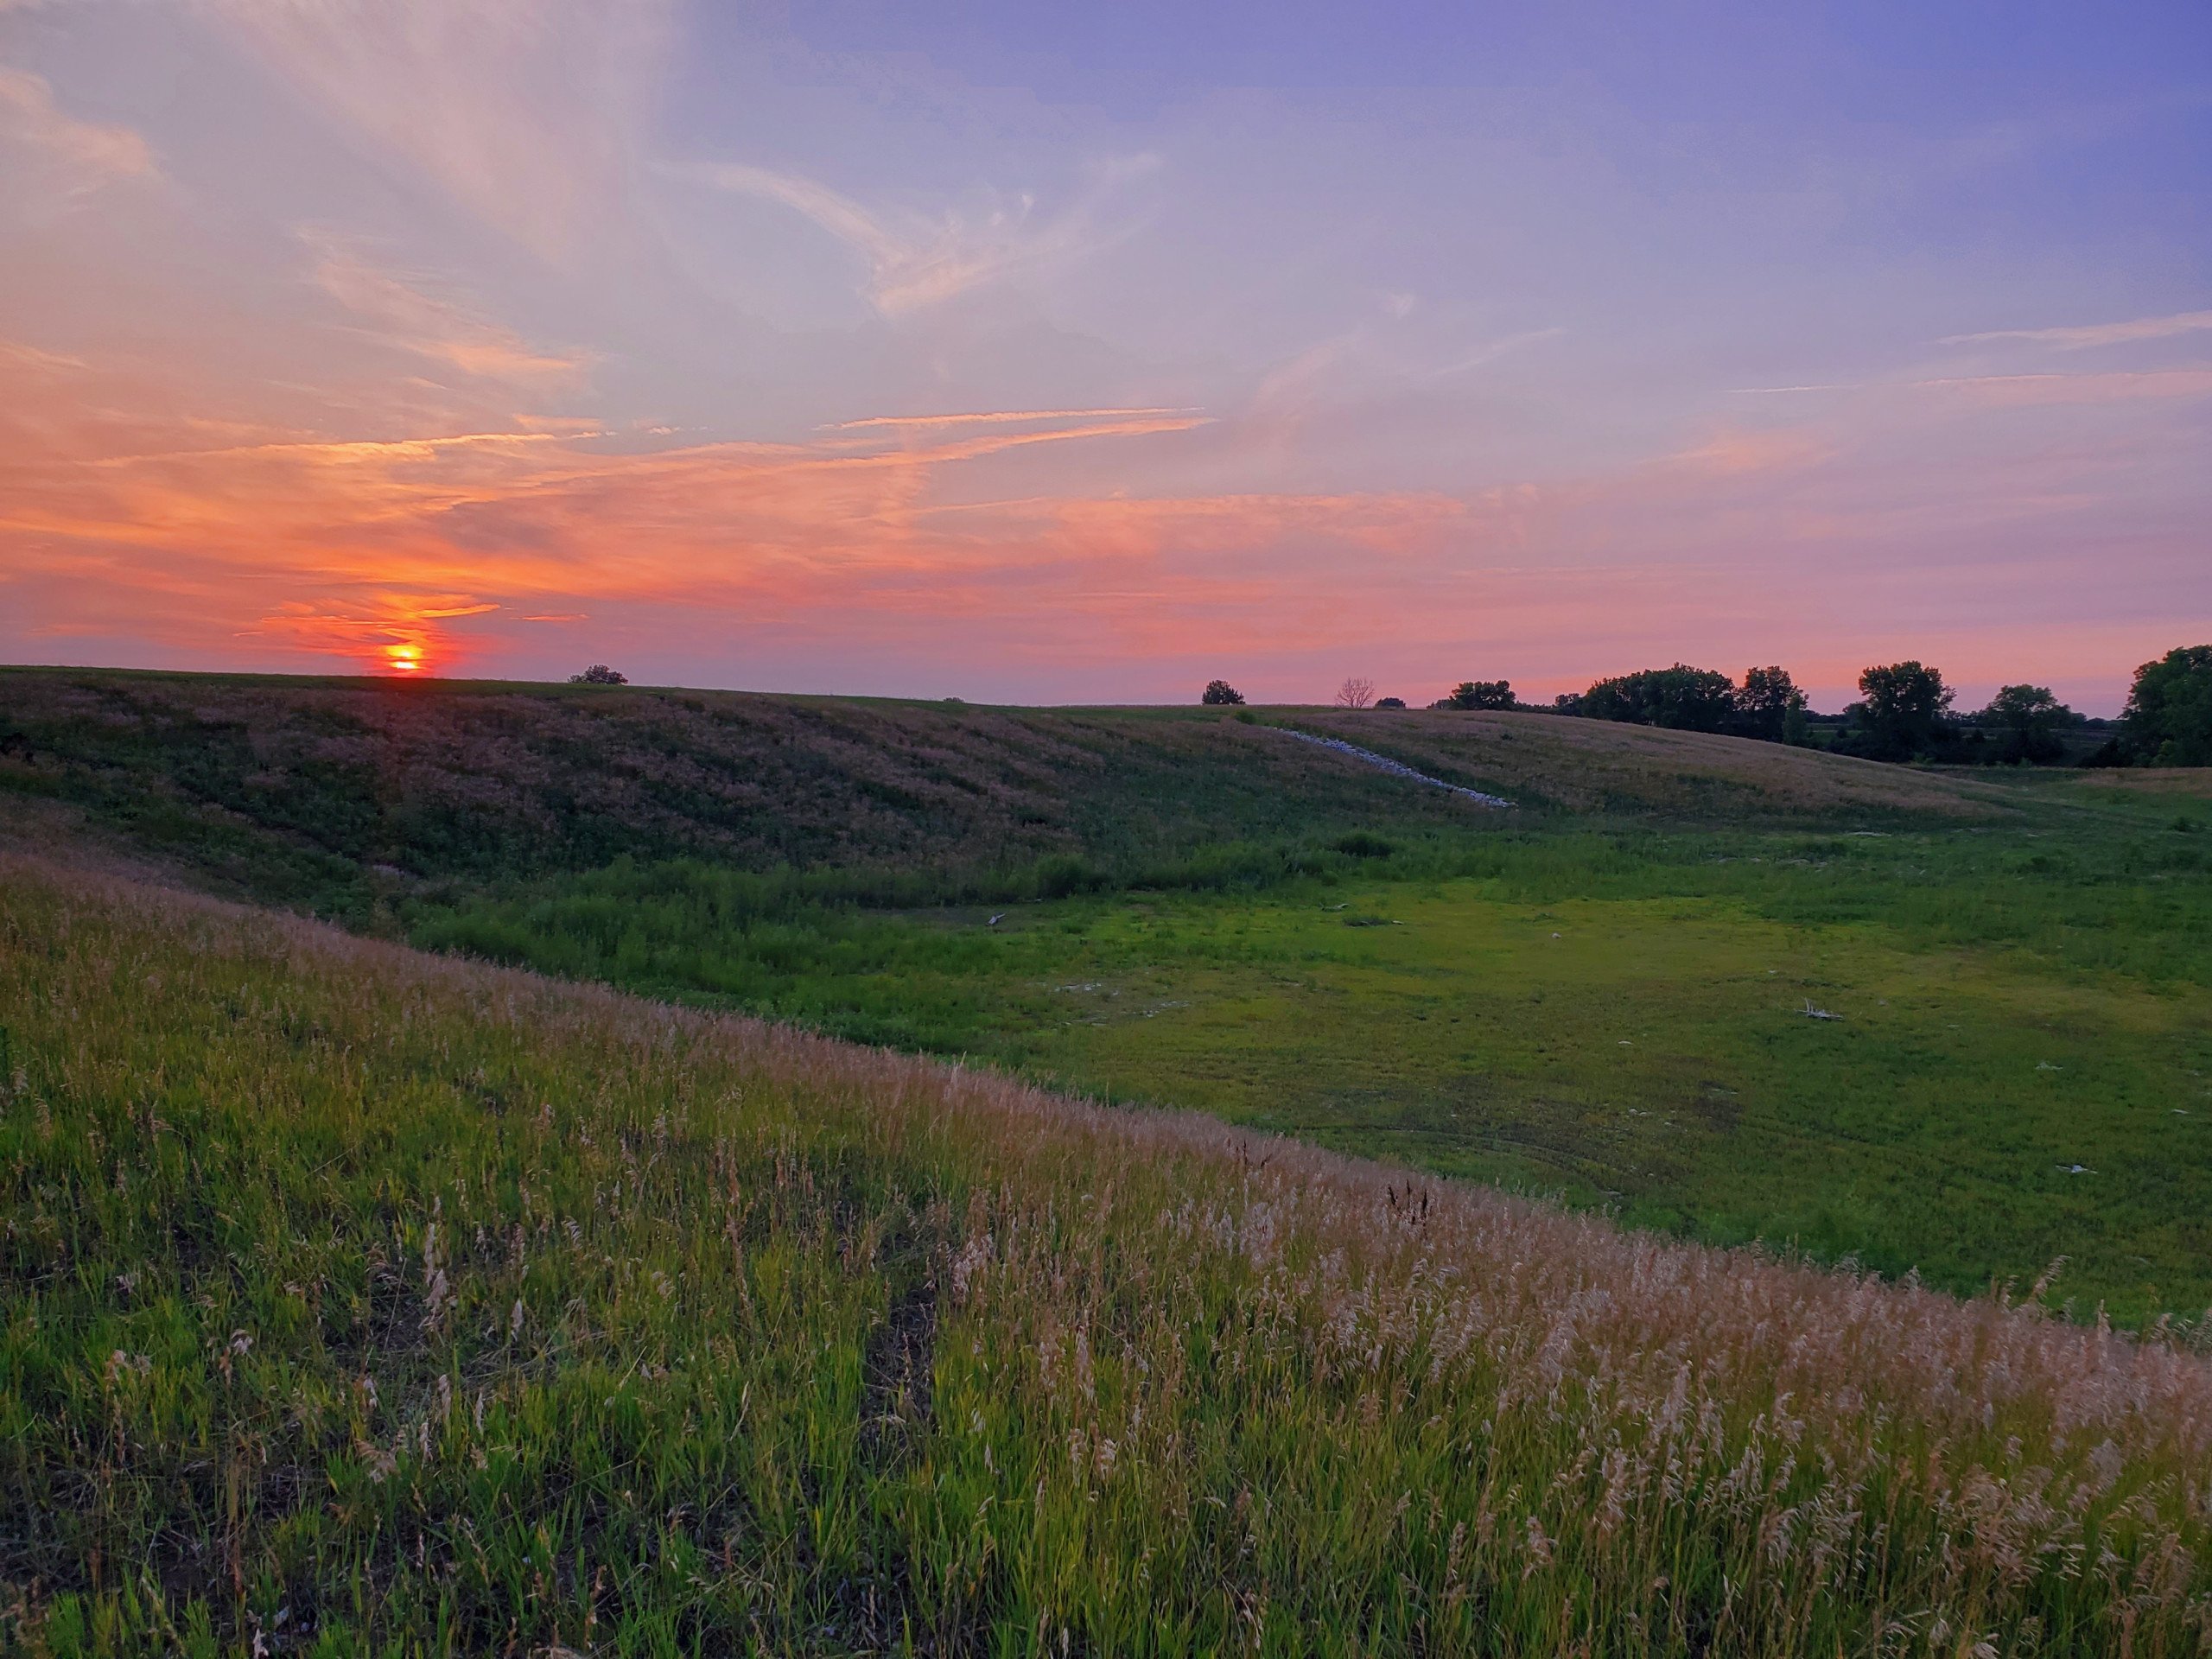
(2029, 717)
(1906, 712)
(1481, 694)
(1221, 693)
(1357, 692)
(599, 674)
(1769, 705)
(1680, 697)
(2168, 719)
(1390, 703)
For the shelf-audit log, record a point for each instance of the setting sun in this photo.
(404, 659)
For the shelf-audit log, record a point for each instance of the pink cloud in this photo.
(89, 154)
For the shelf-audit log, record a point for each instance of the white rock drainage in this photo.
(1395, 768)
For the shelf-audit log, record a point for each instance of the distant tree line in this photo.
(1768, 704)
(1905, 712)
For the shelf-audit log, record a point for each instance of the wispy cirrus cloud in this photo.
(32, 360)
(526, 112)
(916, 260)
(401, 313)
(1735, 452)
(2084, 336)
(2017, 390)
(89, 154)
(1000, 416)
(1490, 351)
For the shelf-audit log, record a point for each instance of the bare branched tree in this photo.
(1357, 692)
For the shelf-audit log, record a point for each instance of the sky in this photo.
(1049, 354)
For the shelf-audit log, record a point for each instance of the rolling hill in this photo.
(326, 792)
(1947, 1025)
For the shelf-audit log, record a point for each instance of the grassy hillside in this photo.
(336, 793)
(1608, 994)
(327, 793)
(361, 1300)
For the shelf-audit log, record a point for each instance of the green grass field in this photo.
(1607, 995)
(366, 1302)
(1616, 1016)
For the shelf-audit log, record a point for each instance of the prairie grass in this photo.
(358, 1301)
(1611, 1014)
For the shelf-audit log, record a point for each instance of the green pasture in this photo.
(1625, 1016)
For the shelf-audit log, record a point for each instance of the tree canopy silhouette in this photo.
(1906, 711)
(2029, 717)
(2168, 719)
(1480, 694)
(1680, 697)
(1769, 705)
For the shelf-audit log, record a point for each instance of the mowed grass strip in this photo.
(358, 1301)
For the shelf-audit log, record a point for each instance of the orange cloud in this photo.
(130, 512)
(352, 547)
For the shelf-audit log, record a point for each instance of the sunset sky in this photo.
(1024, 351)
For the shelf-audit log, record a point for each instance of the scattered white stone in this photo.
(1395, 768)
